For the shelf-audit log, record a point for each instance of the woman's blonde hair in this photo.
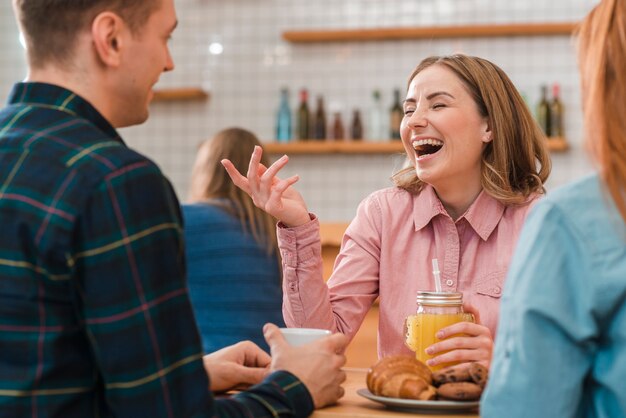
(516, 163)
(602, 63)
(209, 180)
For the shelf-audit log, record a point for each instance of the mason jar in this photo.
(435, 310)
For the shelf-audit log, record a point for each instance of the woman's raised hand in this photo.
(269, 192)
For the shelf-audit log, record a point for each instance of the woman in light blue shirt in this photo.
(561, 347)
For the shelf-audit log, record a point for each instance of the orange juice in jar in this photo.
(435, 310)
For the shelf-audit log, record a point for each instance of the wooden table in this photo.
(354, 406)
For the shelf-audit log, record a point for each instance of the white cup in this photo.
(300, 336)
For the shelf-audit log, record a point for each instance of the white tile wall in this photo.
(245, 80)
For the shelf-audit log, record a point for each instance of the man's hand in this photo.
(236, 367)
(317, 364)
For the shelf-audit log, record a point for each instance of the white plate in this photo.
(415, 405)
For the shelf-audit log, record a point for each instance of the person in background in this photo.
(562, 346)
(95, 318)
(477, 163)
(233, 269)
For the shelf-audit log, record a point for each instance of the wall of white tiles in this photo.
(244, 81)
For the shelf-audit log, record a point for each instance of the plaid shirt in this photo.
(95, 320)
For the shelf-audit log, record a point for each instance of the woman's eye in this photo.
(408, 112)
(438, 105)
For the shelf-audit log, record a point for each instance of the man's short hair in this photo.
(50, 27)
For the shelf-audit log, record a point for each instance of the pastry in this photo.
(401, 377)
(402, 361)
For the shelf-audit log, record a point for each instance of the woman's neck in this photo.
(457, 200)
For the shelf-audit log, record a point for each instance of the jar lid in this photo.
(440, 298)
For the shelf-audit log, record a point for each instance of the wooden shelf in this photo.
(334, 147)
(429, 32)
(179, 94)
(557, 144)
(314, 147)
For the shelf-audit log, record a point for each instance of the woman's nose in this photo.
(418, 119)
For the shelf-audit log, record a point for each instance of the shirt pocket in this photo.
(491, 284)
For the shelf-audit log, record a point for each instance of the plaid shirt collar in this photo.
(59, 98)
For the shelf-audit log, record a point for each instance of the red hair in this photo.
(602, 62)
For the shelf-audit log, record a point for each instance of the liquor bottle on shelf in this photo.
(338, 129)
(304, 116)
(376, 131)
(319, 124)
(283, 118)
(396, 115)
(356, 128)
(556, 113)
(543, 112)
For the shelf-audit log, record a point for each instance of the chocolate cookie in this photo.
(479, 374)
(457, 373)
(460, 391)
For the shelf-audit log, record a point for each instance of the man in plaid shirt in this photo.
(95, 320)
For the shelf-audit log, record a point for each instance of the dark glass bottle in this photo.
(356, 128)
(319, 125)
(543, 112)
(338, 129)
(304, 116)
(556, 113)
(396, 115)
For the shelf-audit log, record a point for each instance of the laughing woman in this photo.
(477, 163)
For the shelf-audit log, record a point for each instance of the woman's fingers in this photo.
(460, 342)
(273, 170)
(270, 178)
(253, 170)
(467, 328)
(238, 179)
(460, 356)
(280, 186)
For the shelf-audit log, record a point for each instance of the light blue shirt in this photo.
(561, 345)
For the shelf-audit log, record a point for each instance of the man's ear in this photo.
(107, 31)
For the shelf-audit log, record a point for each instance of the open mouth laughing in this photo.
(425, 147)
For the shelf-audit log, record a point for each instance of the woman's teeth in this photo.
(427, 146)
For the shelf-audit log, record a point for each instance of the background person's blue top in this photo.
(561, 345)
(233, 284)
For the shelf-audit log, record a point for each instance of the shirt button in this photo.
(497, 290)
(449, 282)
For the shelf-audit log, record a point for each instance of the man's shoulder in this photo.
(67, 141)
(586, 208)
(70, 150)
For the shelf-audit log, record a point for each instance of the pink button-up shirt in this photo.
(386, 252)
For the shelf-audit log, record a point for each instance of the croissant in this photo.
(401, 377)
